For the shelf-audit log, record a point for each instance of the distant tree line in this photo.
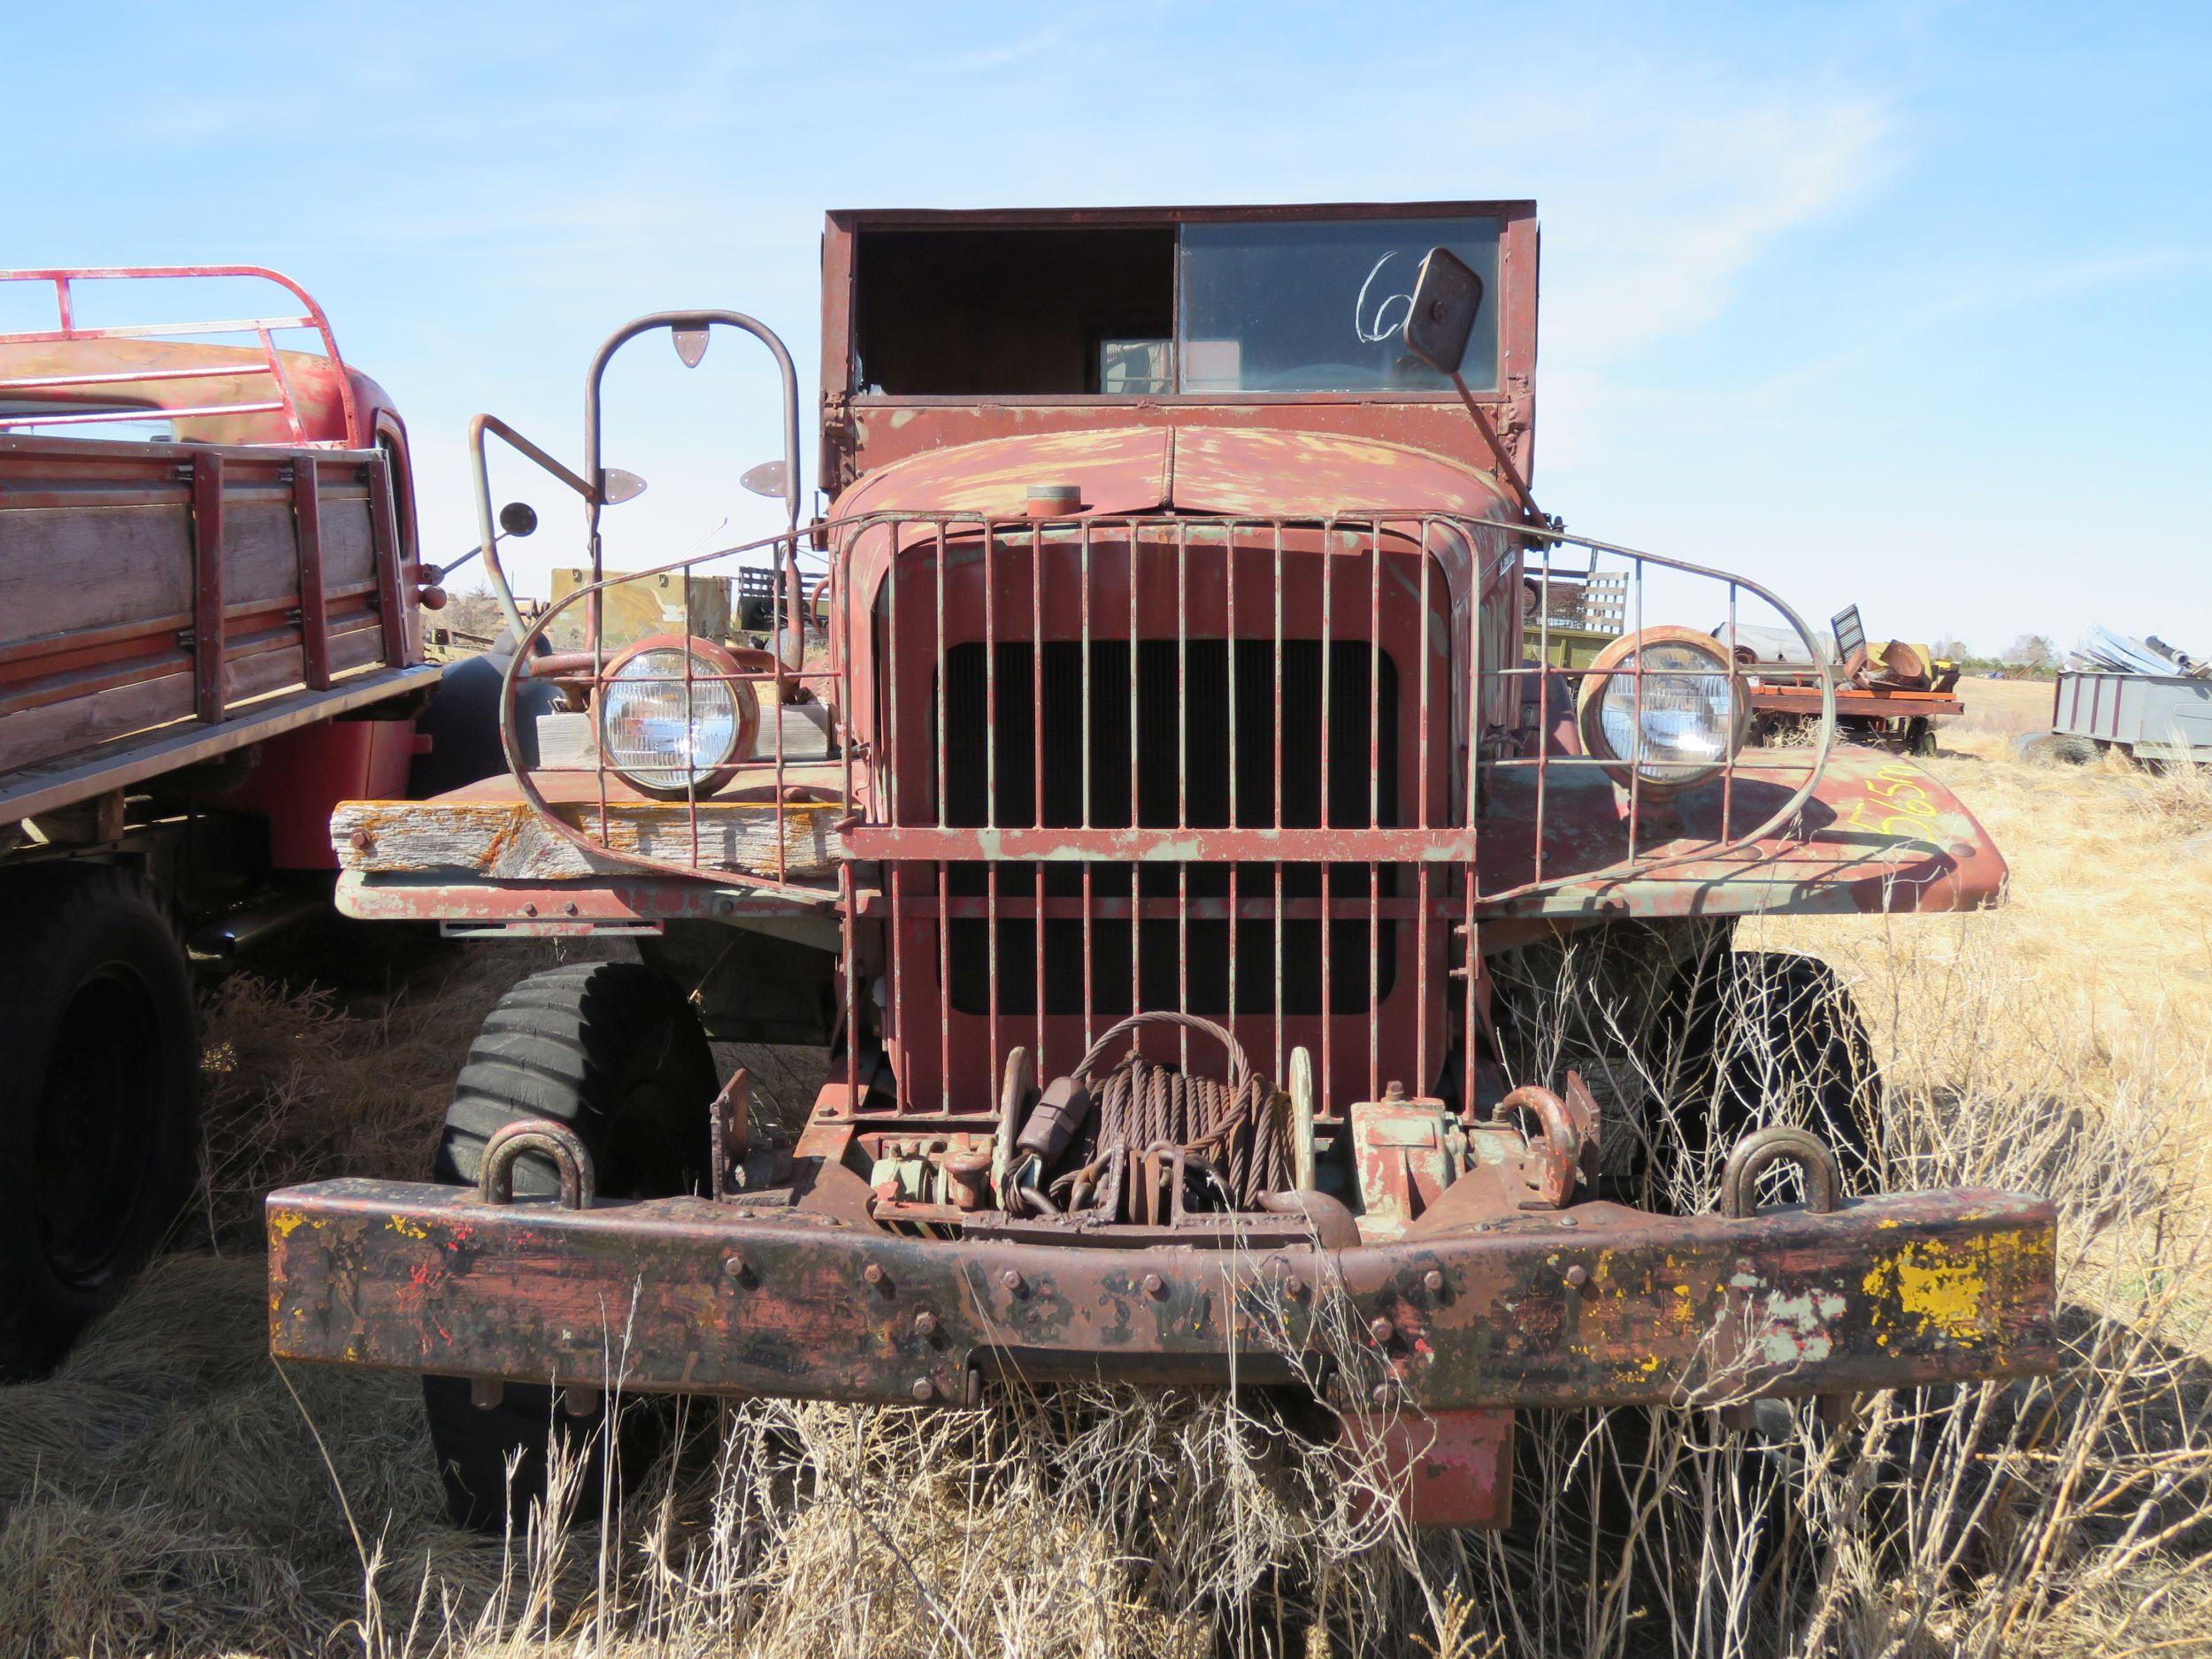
(2031, 656)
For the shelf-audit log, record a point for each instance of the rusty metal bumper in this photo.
(1598, 1304)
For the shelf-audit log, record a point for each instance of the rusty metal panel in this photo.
(861, 433)
(695, 1296)
(1451, 1469)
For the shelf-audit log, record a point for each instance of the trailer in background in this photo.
(2156, 719)
(1887, 695)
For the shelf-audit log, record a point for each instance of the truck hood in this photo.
(1192, 469)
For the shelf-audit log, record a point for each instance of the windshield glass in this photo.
(1321, 307)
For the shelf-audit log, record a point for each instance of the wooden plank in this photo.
(1896, 703)
(207, 587)
(506, 840)
(307, 519)
(260, 548)
(77, 773)
(93, 568)
(35, 736)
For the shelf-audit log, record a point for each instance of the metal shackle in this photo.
(1760, 1151)
(496, 1178)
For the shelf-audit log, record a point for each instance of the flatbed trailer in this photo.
(2159, 719)
(1872, 714)
(206, 639)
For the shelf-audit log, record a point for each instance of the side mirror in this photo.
(1447, 299)
(517, 517)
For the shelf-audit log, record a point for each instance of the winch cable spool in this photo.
(1240, 1128)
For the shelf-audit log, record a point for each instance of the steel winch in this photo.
(1143, 1141)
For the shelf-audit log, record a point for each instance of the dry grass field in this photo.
(170, 1491)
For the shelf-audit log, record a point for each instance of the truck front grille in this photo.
(1193, 750)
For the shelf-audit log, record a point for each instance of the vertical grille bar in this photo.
(1183, 712)
(1728, 773)
(886, 740)
(1327, 566)
(1281, 1058)
(841, 667)
(794, 619)
(1236, 753)
(1135, 542)
(990, 778)
(1543, 707)
(886, 767)
(1421, 883)
(1471, 956)
(1374, 798)
(898, 977)
(1090, 953)
(691, 778)
(1037, 734)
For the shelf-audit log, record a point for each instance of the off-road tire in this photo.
(1776, 1037)
(462, 722)
(99, 1103)
(614, 1051)
(2054, 749)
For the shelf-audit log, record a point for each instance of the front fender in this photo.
(1879, 835)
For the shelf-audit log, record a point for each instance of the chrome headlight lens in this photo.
(668, 738)
(1664, 705)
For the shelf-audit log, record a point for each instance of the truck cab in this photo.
(1145, 799)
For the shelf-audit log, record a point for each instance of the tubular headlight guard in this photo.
(670, 739)
(1685, 723)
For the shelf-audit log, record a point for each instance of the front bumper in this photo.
(1596, 1304)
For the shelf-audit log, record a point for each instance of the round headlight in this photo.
(1661, 703)
(670, 737)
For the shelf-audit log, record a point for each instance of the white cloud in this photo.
(1660, 219)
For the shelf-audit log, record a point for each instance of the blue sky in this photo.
(1910, 304)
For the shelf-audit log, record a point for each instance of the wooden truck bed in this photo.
(1879, 702)
(161, 603)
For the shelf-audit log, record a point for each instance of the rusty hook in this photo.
(1559, 1152)
(496, 1178)
(1759, 1152)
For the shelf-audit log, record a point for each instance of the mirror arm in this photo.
(488, 537)
(1497, 450)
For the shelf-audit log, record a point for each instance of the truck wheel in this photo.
(2070, 751)
(1920, 738)
(1776, 1038)
(462, 722)
(99, 1109)
(614, 1051)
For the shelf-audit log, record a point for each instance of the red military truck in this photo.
(208, 637)
(1168, 840)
